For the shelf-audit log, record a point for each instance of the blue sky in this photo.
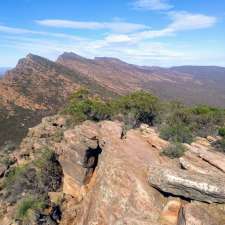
(145, 32)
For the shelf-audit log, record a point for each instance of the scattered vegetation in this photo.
(27, 207)
(133, 109)
(14, 174)
(175, 150)
(176, 122)
(36, 178)
(83, 106)
(58, 136)
(177, 133)
(222, 131)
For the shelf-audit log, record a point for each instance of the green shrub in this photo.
(175, 150)
(180, 123)
(38, 177)
(222, 132)
(220, 145)
(136, 108)
(14, 174)
(205, 120)
(176, 133)
(28, 205)
(83, 106)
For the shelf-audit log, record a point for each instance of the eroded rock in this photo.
(200, 214)
(169, 215)
(191, 185)
(193, 162)
(213, 157)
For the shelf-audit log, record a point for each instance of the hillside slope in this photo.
(36, 87)
(169, 83)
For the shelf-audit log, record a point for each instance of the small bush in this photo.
(176, 133)
(84, 106)
(28, 205)
(136, 108)
(222, 132)
(220, 145)
(175, 150)
(15, 174)
(43, 158)
(57, 136)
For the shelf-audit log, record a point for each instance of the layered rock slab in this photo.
(188, 184)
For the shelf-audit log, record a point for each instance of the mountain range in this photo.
(37, 87)
(189, 84)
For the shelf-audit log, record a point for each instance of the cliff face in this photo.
(103, 179)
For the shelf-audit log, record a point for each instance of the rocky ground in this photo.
(102, 178)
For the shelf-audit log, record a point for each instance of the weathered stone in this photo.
(104, 176)
(201, 187)
(117, 192)
(211, 139)
(55, 197)
(199, 214)
(153, 137)
(194, 163)
(216, 159)
(169, 215)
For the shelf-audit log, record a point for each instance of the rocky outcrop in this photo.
(117, 192)
(200, 214)
(188, 184)
(214, 158)
(152, 137)
(105, 178)
(193, 162)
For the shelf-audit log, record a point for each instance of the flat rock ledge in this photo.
(188, 184)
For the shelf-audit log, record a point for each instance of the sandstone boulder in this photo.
(152, 137)
(169, 215)
(191, 185)
(193, 162)
(213, 157)
(199, 214)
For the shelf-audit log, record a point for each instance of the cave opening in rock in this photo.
(90, 162)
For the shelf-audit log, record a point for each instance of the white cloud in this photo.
(131, 42)
(115, 26)
(153, 4)
(180, 21)
(21, 31)
(188, 21)
(11, 30)
(117, 38)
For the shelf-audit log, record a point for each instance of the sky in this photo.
(144, 32)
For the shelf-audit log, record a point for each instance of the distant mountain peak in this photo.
(70, 55)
